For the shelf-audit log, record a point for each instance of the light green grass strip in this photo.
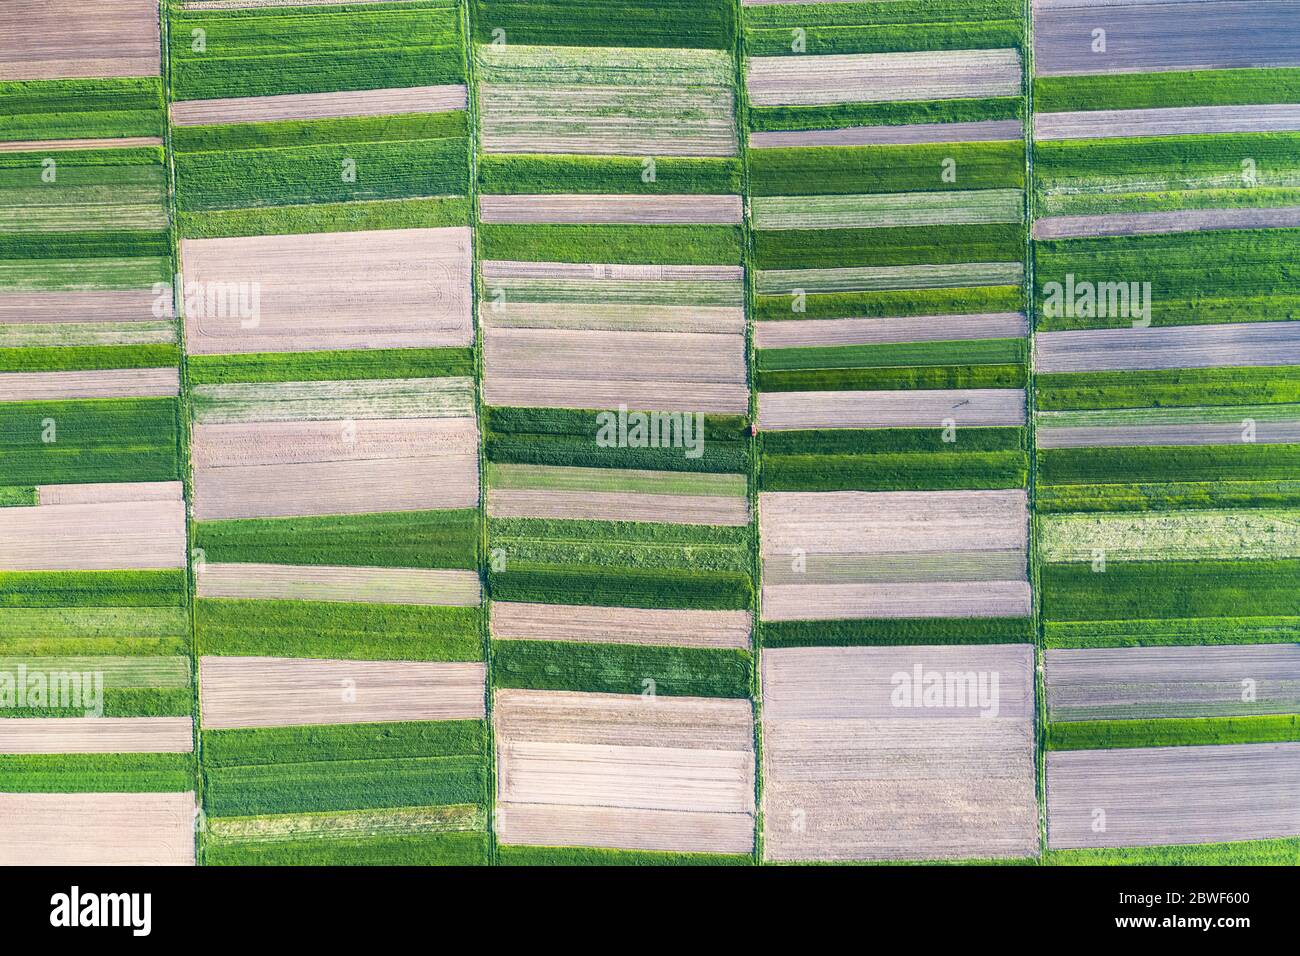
(871, 279)
(116, 671)
(629, 480)
(1192, 415)
(884, 210)
(53, 334)
(1206, 535)
(345, 823)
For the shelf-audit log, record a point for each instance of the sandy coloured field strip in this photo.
(887, 210)
(619, 625)
(243, 444)
(593, 100)
(279, 692)
(861, 683)
(618, 506)
(498, 269)
(1197, 346)
(623, 720)
(898, 753)
(1202, 534)
(56, 145)
(110, 491)
(629, 480)
(613, 209)
(62, 334)
(671, 371)
(118, 535)
(392, 398)
(1148, 223)
(1169, 795)
(1150, 37)
(892, 522)
(1140, 683)
(903, 568)
(882, 278)
(921, 328)
(96, 735)
(1167, 121)
(52, 39)
(668, 830)
(268, 469)
(839, 602)
(131, 305)
(1198, 433)
(323, 583)
(971, 407)
(391, 288)
(586, 769)
(915, 135)
(310, 106)
(105, 383)
(97, 829)
(882, 77)
(344, 823)
(613, 317)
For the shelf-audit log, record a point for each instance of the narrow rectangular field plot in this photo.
(53, 39)
(917, 134)
(97, 829)
(393, 288)
(1152, 223)
(105, 383)
(882, 77)
(1167, 121)
(611, 209)
(281, 692)
(1142, 683)
(619, 625)
(447, 587)
(1202, 346)
(96, 735)
(625, 772)
(114, 535)
(1172, 795)
(900, 753)
(938, 408)
(308, 106)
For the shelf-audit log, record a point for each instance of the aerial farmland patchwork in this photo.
(650, 432)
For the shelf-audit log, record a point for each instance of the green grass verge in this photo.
(330, 366)
(622, 668)
(96, 773)
(896, 631)
(1171, 732)
(667, 245)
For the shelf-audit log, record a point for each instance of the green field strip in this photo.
(614, 480)
(1172, 732)
(891, 303)
(1166, 88)
(1279, 852)
(135, 702)
(1159, 589)
(270, 51)
(337, 630)
(1160, 496)
(700, 24)
(886, 38)
(607, 586)
(929, 471)
(424, 213)
(894, 354)
(342, 365)
(340, 130)
(630, 244)
(883, 378)
(892, 246)
(84, 275)
(540, 174)
(891, 632)
(432, 849)
(1168, 388)
(75, 358)
(839, 170)
(92, 589)
(1155, 463)
(622, 669)
(18, 496)
(1173, 632)
(96, 773)
(601, 856)
(261, 746)
(81, 108)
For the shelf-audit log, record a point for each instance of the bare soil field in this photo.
(921, 328)
(892, 522)
(392, 398)
(972, 407)
(854, 772)
(1167, 121)
(618, 625)
(1202, 433)
(392, 288)
(119, 535)
(53, 39)
(587, 769)
(882, 77)
(299, 442)
(1197, 346)
(131, 305)
(307, 106)
(97, 829)
(1148, 223)
(1140, 683)
(96, 735)
(110, 491)
(1167, 795)
(325, 583)
(1149, 37)
(915, 135)
(888, 210)
(611, 209)
(103, 383)
(614, 317)
(837, 602)
(278, 692)
(899, 568)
